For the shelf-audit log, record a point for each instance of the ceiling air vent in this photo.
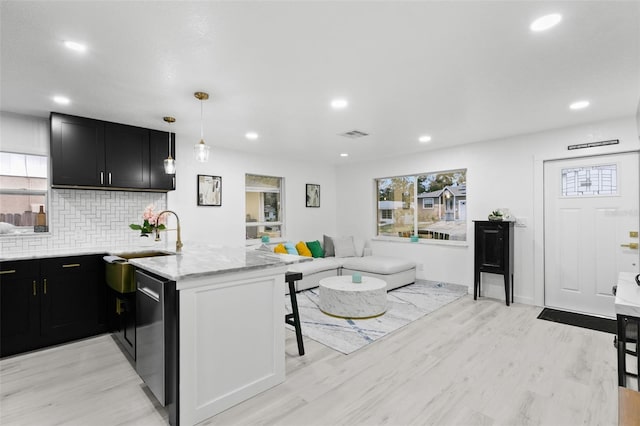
(353, 134)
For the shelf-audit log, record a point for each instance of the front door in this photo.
(590, 227)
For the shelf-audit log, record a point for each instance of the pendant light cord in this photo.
(169, 139)
(201, 125)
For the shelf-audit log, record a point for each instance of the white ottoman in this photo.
(342, 298)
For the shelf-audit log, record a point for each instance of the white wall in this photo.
(500, 173)
(225, 225)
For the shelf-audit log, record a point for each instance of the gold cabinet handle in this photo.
(632, 246)
(9, 271)
(45, 286)
(71, 265)
(34, 288)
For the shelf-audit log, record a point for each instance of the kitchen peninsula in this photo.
(229, 311)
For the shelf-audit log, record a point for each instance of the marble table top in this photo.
(628, 295)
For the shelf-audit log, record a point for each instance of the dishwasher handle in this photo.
(150, 293)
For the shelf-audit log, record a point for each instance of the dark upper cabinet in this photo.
(103, 155)
(159, 150)
(127, 156)
(50, 301)
(77, 151)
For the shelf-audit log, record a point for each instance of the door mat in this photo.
(579, 320)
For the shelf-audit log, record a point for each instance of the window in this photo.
(395, 197)
(263, 206)
(23, 189)
(439, 213)
(590, 181)
(427, 203)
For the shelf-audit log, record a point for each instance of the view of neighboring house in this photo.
(448, 203)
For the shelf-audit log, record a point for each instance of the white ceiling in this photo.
(458, 71)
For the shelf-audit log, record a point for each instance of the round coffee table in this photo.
(340, 297)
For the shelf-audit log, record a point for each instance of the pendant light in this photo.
(201, 150)
(169, 162)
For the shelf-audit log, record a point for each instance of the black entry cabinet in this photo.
(493, 253)
(50, 301)
(88, 153)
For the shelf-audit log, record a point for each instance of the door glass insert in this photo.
(590, 181)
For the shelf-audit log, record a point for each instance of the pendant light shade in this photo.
(201, 150)
(169, 162)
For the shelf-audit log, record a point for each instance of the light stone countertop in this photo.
(202, 260)
(628, 295)
(79, 251)
(195, 260)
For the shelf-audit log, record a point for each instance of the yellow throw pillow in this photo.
(303, 250)
(280, 249)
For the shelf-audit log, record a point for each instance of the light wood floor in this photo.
(469, 363)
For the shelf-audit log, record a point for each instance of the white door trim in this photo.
(538, 213)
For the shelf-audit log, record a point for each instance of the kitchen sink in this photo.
(120, 275)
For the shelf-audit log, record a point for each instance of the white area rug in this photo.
(405, 304)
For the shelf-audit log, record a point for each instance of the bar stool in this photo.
(293, 319)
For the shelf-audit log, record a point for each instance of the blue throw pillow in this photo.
(291, 248)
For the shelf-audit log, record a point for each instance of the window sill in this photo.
(26, 234)
(422, 241)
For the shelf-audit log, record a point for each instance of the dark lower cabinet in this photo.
(20, 291)
(50, 301)
(121, 312)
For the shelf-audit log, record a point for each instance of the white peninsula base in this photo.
(231, 340)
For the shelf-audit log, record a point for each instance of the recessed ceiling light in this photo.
(424, 138)
(75, 46)
(339, 103)
(344, 154)
(579, 105)
(61, 100)
(251, 136)
(545, 22)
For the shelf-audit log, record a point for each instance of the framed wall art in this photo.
(313, 195)
(209, 190)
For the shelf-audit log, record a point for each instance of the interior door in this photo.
(590, 226)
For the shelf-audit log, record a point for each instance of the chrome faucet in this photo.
(178, 240)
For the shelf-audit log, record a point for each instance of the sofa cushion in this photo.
(328, 246)
(315, 248)
(303, 250)
(318, 265)
(280, 249)
(344, 247)
(378, 264)
(291, 249)
(358, 244)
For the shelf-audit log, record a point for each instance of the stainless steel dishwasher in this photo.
(150, 333)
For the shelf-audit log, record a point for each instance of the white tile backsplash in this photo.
(88, 219)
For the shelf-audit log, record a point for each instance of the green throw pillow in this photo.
(316, 248)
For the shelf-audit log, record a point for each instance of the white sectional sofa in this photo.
(396, 272)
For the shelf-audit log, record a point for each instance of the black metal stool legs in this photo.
(293, 319)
